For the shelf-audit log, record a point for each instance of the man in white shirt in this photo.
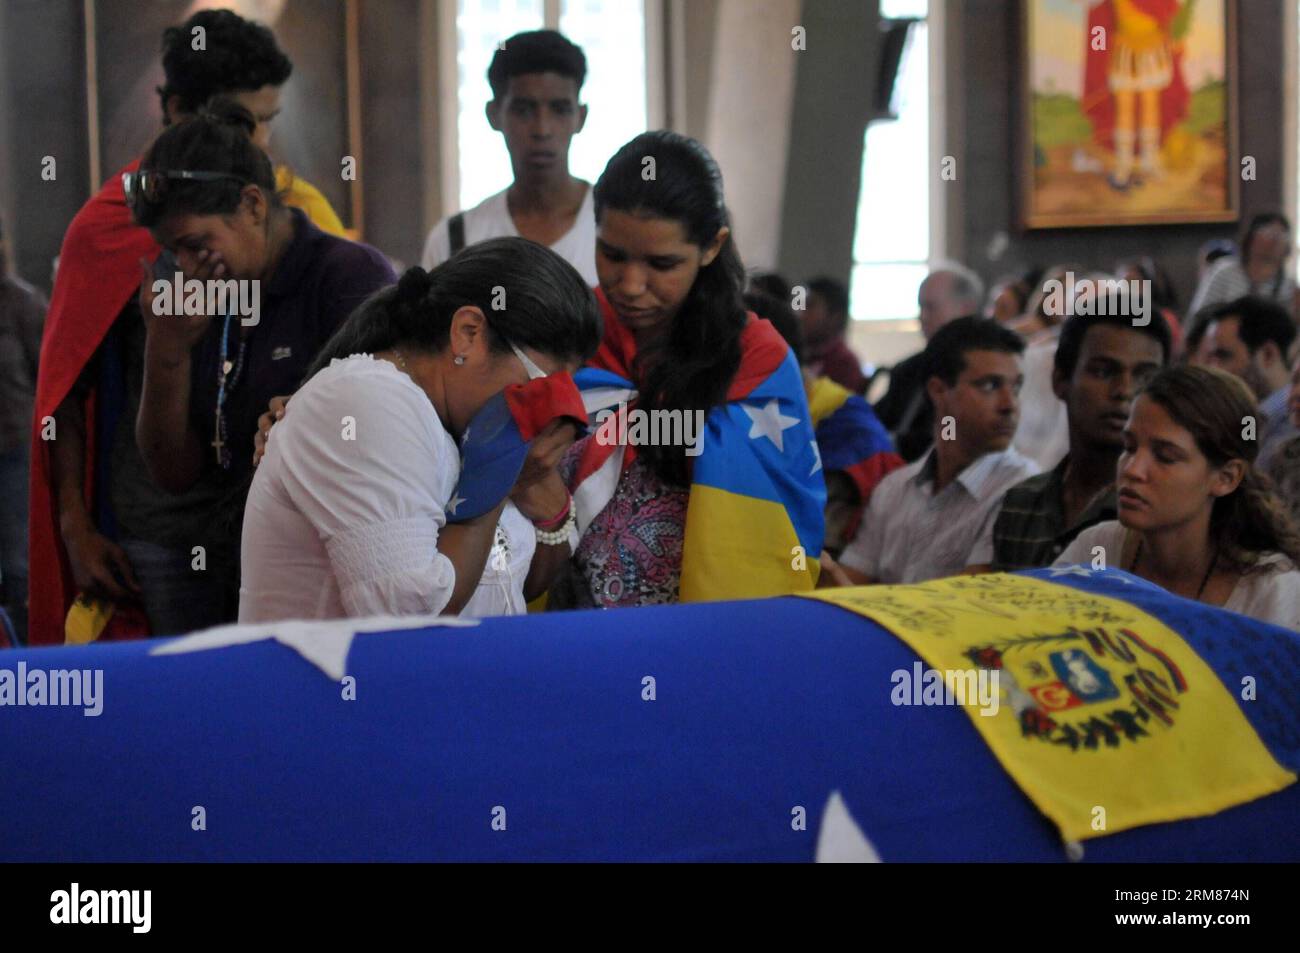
(924, 519)
(536, 78)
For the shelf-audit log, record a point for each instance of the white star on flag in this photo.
(1072, 571)
(455, 501)
(323, 644)
(841, 840)
(818, 454)
(769, 422)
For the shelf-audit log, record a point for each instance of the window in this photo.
(612, 34)
(483, 163)
(892, 239)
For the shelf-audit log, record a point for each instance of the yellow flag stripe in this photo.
(824, 398)
(720, 559)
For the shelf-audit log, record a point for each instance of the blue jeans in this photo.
(179, 599)
(13, 537)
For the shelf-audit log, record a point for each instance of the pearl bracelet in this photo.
(560, 536)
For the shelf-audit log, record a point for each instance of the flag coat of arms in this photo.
(1106, 715)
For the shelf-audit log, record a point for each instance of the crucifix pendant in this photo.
(217, 442)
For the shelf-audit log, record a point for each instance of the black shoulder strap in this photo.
(456, 232)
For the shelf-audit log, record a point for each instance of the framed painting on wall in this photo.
(1129, 112)
(319, 119)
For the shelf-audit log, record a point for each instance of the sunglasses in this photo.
(530, 365)
(151, 185)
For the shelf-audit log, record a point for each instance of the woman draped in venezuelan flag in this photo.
(669, 511)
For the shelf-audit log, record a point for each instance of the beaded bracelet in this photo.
(560, 536)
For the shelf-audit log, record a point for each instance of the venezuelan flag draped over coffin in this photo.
(764, 729)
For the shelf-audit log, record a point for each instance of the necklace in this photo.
(1214, 561)
(401, 360)
(228, 373)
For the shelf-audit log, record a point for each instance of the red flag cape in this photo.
(99, 271)
(762, 350)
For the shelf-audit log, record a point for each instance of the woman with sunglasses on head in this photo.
(735, 512)
(95, 514)
(1195, 516)
(207, 195)
(350, 527)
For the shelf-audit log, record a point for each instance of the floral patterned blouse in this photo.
(631, 554)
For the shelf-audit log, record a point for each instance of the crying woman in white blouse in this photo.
(348, 511)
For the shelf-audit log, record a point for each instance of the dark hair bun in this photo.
(413, 286)
(227, 112)
(217, 139)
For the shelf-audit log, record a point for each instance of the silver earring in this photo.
(458, 359)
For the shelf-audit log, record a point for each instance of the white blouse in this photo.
(345, 508)
(1269, 595)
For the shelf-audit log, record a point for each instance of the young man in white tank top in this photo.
(536, 79)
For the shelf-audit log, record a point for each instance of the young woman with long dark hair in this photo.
(1195, 516)
(662, 520)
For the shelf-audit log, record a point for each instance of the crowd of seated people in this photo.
(316, 462)
(1167, 445)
